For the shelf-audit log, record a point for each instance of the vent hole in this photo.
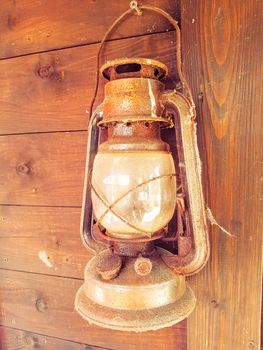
(128, 68)
(156, 72)
(147, 124)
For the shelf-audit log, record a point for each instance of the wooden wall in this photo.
(47, 63)
(223, 47)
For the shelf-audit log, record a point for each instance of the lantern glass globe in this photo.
(134, 193)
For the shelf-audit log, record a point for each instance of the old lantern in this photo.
(139, 198)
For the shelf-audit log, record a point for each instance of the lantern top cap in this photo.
(134, 67)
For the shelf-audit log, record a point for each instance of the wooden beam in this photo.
(13, 339)
(223, 60)
(45, 305)
(30, 26)
(52, 91)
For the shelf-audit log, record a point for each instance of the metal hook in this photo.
(134, 6)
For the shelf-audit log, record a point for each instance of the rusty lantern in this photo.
(143, 208)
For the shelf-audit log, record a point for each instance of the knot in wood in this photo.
(251, 344)
(214, 303)
(85, 347)
(143, 266)
(41, 305)
(12, 21)
(23, 168)
(31, 341)
(200, 96)
(108, 266)
(45, 71)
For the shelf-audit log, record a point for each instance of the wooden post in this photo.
(222, 52)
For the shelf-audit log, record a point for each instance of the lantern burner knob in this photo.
(142, 266)
(108, 266)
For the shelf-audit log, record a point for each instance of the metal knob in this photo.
(108, 266)
(143, 266)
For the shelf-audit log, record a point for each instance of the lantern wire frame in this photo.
(138, 10)
(184, 106)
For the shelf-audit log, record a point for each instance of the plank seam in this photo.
(43, 132)
(39, 206)
(43, 274)
(85, 44)
(51, 336)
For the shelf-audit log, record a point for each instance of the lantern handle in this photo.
(86, 222)
(191, 182)
(137, 10)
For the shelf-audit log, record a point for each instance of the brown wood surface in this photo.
(41, 174)
(52, 91)
(15, 339)
(42, 169)
(45, 305)
(42, 240)
(34, 26)
(222, 43)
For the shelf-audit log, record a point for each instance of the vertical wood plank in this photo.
(222, 50)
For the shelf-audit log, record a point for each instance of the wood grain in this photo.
(52, 91)
(42, 169)
(34, 26)
(42, 240)
(41, 178)
(44, 304)
(14, 339)
(223, 61)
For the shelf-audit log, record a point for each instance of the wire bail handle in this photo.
(87, 222)
(138, 10)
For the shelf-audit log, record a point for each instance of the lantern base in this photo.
(135, 320)
(135, 303)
